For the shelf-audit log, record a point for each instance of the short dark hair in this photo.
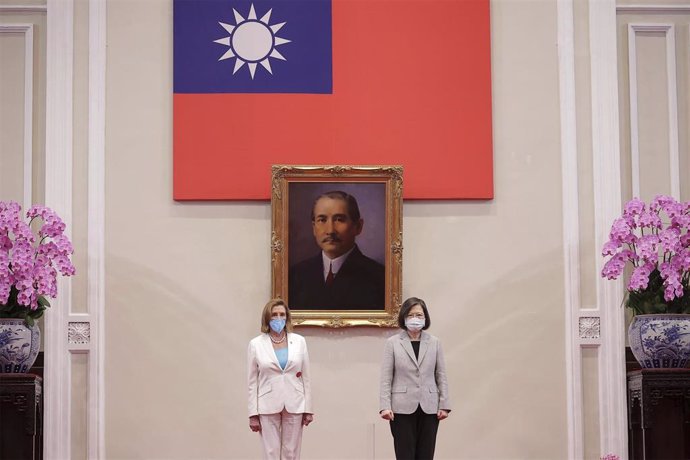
(351, 201)
(407, 306)
(268, 310)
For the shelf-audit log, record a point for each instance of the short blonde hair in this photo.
(268, 311)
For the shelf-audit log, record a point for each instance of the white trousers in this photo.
(281, 435)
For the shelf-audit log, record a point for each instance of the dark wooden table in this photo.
(21, 417)
(659, 414)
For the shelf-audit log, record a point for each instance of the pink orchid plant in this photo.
(30, 262)
(655, 240)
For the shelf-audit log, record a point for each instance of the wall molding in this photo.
(27, 174)
(23, 8)
(607, 206)
(672, 100)
(58, 195)
(70, 333)
(601, 327)
(653, 9)
(571, 225)
(96, 227)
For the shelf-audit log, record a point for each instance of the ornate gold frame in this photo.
(392, 177)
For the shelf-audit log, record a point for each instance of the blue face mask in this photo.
(277, 325)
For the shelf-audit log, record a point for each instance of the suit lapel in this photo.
(423, 346)
(268, 348)
(407, 345)
(291, 351)
(350, 262)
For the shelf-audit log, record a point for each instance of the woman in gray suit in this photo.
(414, 388)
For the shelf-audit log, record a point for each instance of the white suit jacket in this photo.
(271, 388)
(408, 382)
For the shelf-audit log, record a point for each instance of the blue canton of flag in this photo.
(255, 46)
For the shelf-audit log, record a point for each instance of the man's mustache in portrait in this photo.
(331, 239)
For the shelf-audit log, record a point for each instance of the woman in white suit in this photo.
(279, 386)
(414, 388)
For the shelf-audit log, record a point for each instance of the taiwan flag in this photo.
(326, 82)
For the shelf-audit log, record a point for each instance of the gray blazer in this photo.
(407, 382)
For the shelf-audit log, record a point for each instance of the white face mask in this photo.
(414, 324)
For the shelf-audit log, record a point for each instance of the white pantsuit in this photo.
(279, 396)
(281, 435)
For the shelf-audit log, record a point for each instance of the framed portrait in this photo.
(336, 244)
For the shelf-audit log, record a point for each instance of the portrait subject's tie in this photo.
(329, 278)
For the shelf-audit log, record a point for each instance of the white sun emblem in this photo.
(252, 41)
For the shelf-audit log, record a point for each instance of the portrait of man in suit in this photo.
(340, 276)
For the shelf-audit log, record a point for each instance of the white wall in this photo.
(186, 281)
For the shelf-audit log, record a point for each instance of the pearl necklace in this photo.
(277, 341)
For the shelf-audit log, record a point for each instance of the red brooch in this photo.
(299, 374)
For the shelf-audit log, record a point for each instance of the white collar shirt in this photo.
(334, 264)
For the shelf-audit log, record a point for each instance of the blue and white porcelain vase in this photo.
(660, 341)
(19, 345)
